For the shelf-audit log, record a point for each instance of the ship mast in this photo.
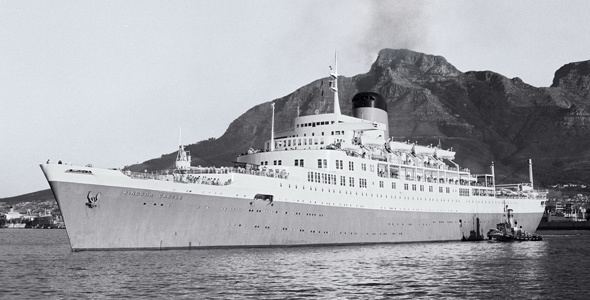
(531, 171)
(493, 176)
(334, 85)
(179, 135)
(272, 129)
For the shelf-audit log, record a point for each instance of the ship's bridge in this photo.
(327, 130)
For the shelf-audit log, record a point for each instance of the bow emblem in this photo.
(92, 199)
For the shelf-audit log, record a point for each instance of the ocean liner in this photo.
(332, 179)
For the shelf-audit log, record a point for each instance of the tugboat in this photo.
(509, 231)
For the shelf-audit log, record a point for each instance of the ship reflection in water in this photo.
(39, 263)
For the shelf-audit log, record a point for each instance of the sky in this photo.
(110, 82)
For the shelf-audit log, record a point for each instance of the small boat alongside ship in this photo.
(510, 231)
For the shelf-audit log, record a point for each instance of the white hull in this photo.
(141, 214)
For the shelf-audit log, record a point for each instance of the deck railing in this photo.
(197, 175)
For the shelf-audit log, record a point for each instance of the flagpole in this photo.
(531, 171)
(179, 136)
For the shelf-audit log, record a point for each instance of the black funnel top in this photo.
(369, 99)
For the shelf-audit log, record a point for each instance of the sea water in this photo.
(39, 264)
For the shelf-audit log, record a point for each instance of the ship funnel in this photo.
(371, 106)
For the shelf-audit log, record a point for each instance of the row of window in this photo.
(321, 178)
(303, 141)
(314, 124)
(275, 162)
(464, 192)
(332, 179)
(299, 162)
(362, 182)
(323, 163)
(337, 132)
(430, 188)
(299, 142)
(341, 232)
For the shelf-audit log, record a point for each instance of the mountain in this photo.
(39, 196)
(574, 77)
(483, 115)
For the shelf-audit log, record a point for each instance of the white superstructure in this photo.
(330, 179)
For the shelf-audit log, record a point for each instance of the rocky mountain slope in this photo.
(482, 115)
(38, 196)
(574, 77)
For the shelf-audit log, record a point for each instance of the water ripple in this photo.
(39, 264)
